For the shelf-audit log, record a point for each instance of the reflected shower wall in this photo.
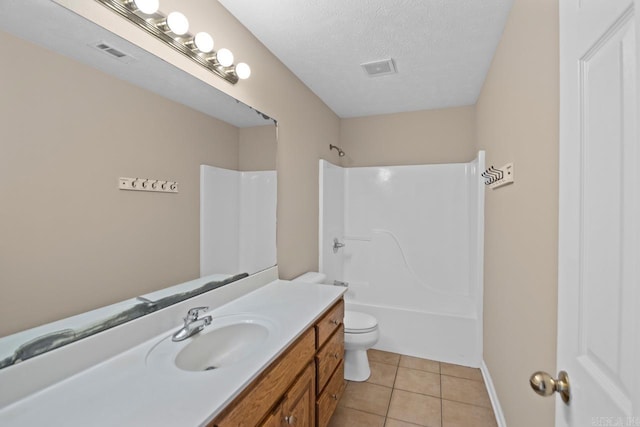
(245, 220)
(412, 255)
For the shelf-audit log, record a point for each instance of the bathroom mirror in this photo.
(82, 108)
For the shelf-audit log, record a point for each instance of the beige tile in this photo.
(422, 364)
(418, 381)
(347, 417)
(415, 408)
(466, 391)
(455, 414)
(371, 398)
(397, 423)
(383, 357)
(382, 374)
(460, 371)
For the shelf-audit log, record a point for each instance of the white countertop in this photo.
(125, 391)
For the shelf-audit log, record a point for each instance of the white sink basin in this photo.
(226, 342)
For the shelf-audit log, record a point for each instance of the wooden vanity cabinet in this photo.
(329, 359)
(298, 406)
(255, 403)
(274, 419)
(302, 387)
(328, 400)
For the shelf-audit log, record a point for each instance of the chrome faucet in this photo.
(337, 245)
(192, 324)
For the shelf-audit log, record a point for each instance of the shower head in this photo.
(340, 152)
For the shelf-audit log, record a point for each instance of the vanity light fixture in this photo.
(203, 42)
(243, 71)
(225, 57)
(177, 23)
(173, 30)
(148, 7)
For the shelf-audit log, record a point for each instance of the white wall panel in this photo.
(257, 247)
(413, 253)
(219, 220)
(237, 221)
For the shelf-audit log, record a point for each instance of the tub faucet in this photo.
(192, 324)
(337, 245)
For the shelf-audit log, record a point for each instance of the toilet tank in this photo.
(311, 277)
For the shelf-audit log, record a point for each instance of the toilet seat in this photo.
(356, 322)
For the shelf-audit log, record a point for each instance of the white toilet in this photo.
(360, 334)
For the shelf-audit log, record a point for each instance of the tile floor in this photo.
(406, 391)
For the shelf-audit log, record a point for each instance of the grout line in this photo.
(421, 394)
(441, 399)
(393, 387)
(470, 404)
(462, 378)
(363, 411)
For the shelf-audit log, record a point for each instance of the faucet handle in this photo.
(193, 313)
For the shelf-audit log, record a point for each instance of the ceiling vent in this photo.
(113, 52)
(380, 68)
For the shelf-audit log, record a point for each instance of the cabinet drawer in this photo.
(328, 400)
(329, 356)
(329, 322)
(259, 396)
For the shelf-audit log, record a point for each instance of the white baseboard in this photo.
(497, 409)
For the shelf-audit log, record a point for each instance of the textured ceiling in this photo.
(442, 48)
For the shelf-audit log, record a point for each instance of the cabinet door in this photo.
(274, 419)
(298, 408)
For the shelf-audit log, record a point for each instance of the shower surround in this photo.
(413, 253)
(238, 208)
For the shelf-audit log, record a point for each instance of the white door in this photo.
(599, 248)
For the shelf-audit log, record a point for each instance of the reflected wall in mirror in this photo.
(76, 121)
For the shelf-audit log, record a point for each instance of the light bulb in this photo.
(203, 42)
(224, 57)
(243, 71)
(148, 7)
(177, 23)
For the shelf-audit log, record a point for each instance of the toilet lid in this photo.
(355, 322)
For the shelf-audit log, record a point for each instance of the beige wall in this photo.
(71, 241)
(257, 148)
(517, 121)
(305, 124)
(430, 136)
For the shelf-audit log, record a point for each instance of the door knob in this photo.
(545, 385)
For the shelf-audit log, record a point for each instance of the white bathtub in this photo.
(413, 253)
(451, 338)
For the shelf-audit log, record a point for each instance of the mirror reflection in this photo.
(76, 119)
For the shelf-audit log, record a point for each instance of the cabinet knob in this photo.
(334, 396)
(336, 355)
(335, 322)
(290, 419)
